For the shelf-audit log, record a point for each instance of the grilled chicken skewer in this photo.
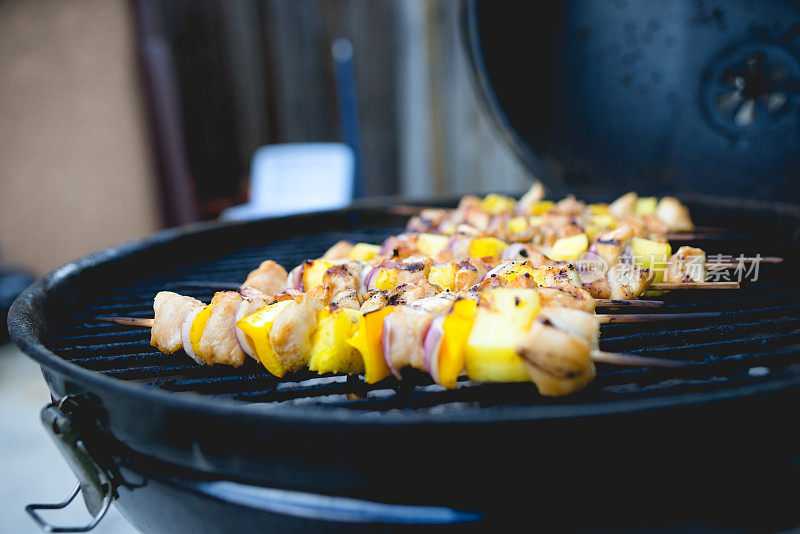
(434, 334)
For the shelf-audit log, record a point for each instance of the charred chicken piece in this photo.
(688, 264)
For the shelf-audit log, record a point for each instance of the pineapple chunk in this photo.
(599, 222)
(386, 279)
(367, 341)
(489, 354)
(457, 327)
(651, 255)
(645, 206)
(568, 248)
(313, 272)
(198, 325)
(443, 275)
(364, 251)
(256, 328)
(330, 352)
(535, 221)
(486, 246)
(598, 209)
(496, 204)
(432, 244)
(517, 225)
(541, 207)
(500, 324)
(518, 306)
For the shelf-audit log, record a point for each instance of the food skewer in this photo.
(602, 318)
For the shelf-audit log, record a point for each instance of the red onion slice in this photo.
(431, 346)
(386, 345)
(186, 330)
(295, 279)
(241, 338)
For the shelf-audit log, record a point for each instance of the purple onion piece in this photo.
(431, 345)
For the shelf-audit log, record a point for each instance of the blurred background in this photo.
(122, 117)
(119, 117)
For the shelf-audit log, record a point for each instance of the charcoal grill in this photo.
(180, 447)
(209, 440)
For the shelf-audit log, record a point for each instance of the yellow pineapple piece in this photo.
(367, 341)
(568, 248)
(386, 279)
(432, 244)
(517, 224)
(651, 255)
(364, 251)
(645, 206)
(313, 272)
(598, 209)
(456, 327)
(443, 275)
(599, 222)
(503, 318)
(330, 351)
(496, 204)
(541, 207)
(486, 246)
(256, 328)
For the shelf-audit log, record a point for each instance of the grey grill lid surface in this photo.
(660, 97)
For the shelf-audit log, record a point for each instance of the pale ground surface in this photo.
(31, 469)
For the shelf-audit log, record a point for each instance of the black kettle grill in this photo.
(183, 448)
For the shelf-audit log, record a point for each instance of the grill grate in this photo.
(757, 339)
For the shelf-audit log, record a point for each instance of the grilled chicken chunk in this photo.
(219, 344)
(566, 296)
(557, 361)
(375, 301)
(624, 206)
(269, 277)
(293, 330)
(531, 197)
(469, 272)
(408, 293)
(404, 331)
(342, 277)
(346, 299)
(413, 269)
(170, 310)
(611, 244)
(438, 304)
(627, 281)
(338, 251)
(576, 322)
(427, 221)
(686, 265)
(675, 215)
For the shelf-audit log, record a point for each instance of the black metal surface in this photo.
(685, 97)
(470, 446)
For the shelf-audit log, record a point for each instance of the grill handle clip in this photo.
(93, 481)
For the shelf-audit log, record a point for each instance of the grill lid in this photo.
(658, 97)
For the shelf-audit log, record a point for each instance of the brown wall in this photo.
(75, 174)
